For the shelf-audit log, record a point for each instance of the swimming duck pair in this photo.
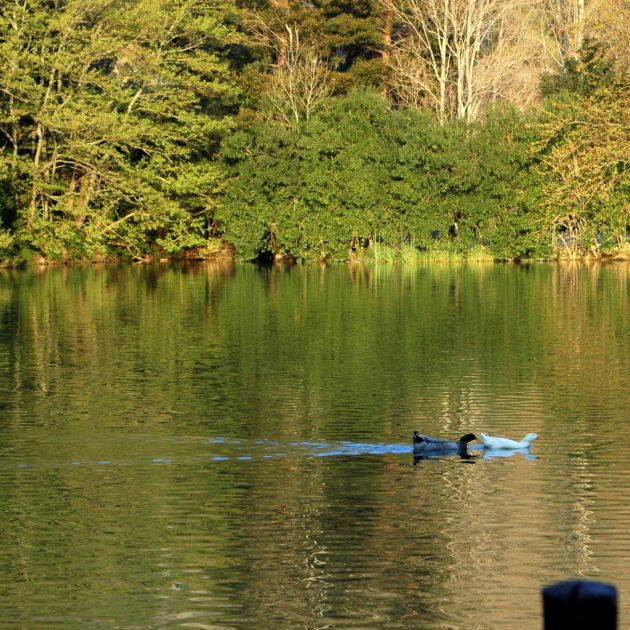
(427, 444)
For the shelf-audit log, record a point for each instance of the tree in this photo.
(348, 37)
(300, 82)
(421, 65)
(609, 25)
(359, 173)
(312, 191)
(454, 56)
(110, 113)
(566, 23)
(584, 155)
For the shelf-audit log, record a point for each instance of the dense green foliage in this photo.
(120, 135)
(360, 173)
(584, 150)
(110, 114)
(348, 35)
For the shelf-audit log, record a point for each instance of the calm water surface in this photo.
(228, 447)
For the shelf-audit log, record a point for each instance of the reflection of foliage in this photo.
(176, 335)
(121, 363)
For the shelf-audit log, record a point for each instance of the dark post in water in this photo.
(580, 605)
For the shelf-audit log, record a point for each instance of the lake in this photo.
(230, 447)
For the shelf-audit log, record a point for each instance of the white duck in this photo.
(504, 443)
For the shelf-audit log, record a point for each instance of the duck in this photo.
(427, 444)
(504, 443)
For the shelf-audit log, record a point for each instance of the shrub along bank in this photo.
(359, 174)
(360, 178)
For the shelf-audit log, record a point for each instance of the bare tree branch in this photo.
(301, 83)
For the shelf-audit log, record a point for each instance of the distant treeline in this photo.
(324, 130)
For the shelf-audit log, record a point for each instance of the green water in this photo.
(229, 447)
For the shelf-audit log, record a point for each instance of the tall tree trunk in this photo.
(387, 18)
(444, 68)
(388, 25)
(579, 25)
(40, 146)
(283, 44)
(39, 149)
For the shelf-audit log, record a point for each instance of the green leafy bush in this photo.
(360, 173)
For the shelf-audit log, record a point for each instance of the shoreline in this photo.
(284, 262)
